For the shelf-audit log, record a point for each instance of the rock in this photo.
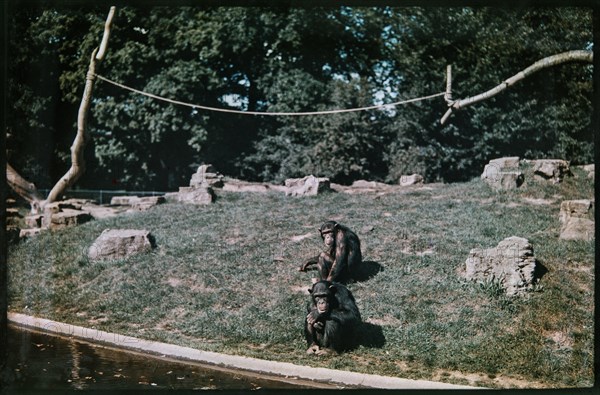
(120, 243)
(34, 221)
(245, 187)
(198, 195)
(307, 186)
(25, 233)
(578, 229)
(13, 217)
(412, 179)
(575, 216)
(589, 169)
(99, 212)
(123, 200)
(368, 184)
(550, 169)
(511, 264)
(503, 173)
(206, 175)
(137, 203)
(68, 217)
(146, 202)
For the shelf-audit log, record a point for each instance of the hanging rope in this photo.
(197, 106)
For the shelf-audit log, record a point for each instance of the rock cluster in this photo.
(200, 191)
(206, 175)
(505, 173)
(511, 264)
(575, 217)
(13, 218)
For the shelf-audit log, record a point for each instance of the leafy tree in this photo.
(486, 46)
(294, 59)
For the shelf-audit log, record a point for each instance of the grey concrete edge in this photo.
(254, 365)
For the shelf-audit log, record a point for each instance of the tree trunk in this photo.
(23, 188)
(570, 56)
(28, 190)
(77, 160)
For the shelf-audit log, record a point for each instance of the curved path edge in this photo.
(254, 365)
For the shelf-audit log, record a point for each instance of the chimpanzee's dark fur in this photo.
(334, 329)
(343, 259)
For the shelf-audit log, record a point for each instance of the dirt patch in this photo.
(298, 238)
(386, 320)
(538, 202)
(483, 380)
(300, 289)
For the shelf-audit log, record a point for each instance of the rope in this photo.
(197, 106)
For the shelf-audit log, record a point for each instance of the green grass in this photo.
(224, 278)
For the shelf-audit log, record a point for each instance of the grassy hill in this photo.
(224, 278)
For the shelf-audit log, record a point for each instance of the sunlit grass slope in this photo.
(224, 278)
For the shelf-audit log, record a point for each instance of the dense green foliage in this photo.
(298, 59)
(224, 278)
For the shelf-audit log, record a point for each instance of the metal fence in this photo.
(102, 196)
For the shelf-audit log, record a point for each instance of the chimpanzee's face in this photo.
(322, 304)
(328, 239)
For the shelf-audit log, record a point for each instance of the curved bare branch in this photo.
(77, 159)
(570, 56)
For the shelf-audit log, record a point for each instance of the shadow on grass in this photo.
(370, 335)
(540, 270)
(367, 270)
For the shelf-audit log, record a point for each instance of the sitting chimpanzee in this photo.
(343, 257)
(332, 319)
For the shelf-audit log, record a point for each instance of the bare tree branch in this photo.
(77, 160)
(23, 188)
(570, 56)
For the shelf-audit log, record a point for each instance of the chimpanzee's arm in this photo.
(341, 257)
(312, 261)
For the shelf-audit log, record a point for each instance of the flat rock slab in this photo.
(120, 243)
(69, 217)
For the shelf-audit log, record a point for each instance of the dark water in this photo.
(38, 361)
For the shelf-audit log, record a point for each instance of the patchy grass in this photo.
(224, 278)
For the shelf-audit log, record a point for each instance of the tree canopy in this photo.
(294, 59)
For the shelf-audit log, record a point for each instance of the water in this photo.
(38, 361)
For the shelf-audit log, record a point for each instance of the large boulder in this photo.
(550, 169)
(511, 264)
(575, 217)
(199, 195)
(306, 186)
(503, 173)
(120, 243)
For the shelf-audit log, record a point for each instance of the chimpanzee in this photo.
(343, 257)
(332, 319)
